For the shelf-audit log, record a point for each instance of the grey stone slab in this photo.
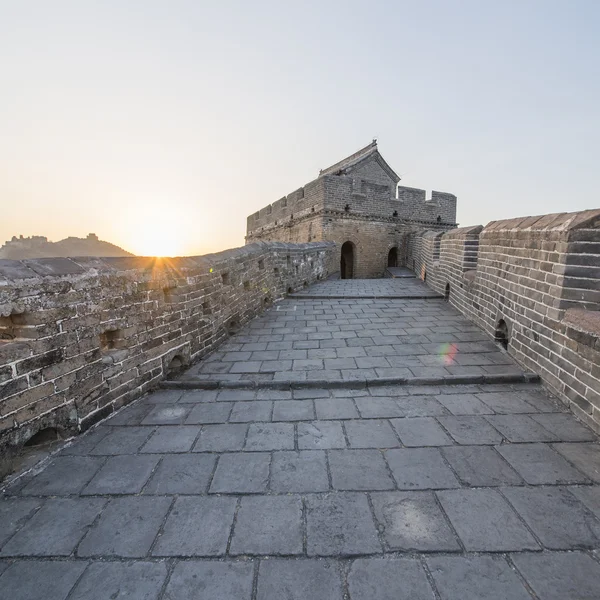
(471, 430)
(272, 366)
(420, 405)
(359, 470)
(198, 396)
(40, 580)
(308, 364)
(246, 366)
(209, 413)
(372, 433)
(122, 475)
(308, 393)
(321, 435)
(163, 397)
(340, 524)
(221, 438)
(123, 440)
(83, 444)
(506, 403)
(485, 522)
(65, 475)
(388, 579)
(130, 415)
(560, 575)
(521, 428)
(55, 529)
(336, 408)
(299, 580)
(538, 464)
(413, 521)
(586, 457)
(197, 526)
(270, 436)
(293, 410)
(589, 495)
(241, 473)
(14, 512)
(378, 407)
(303, 471)
(558, 519)
(420, 468)
(198, 579)
(565, 428)
(475, 578)
(247, 412)
(236, 395)
(167, 414)
(172, 438)
(480, 466)
(126, 528)
(542, 401)
(270, 525)
(464, 404)
(115, 580)
(420, 431)
(182, 474)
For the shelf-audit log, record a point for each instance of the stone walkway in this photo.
(370, 492)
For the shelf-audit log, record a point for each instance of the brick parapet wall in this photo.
(529, 273)
(81, 337)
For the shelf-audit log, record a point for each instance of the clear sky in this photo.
(161, 125)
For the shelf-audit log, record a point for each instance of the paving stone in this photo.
(506, 403)
(122, 475)
(480, 466)
(212, 580)
(303, 471)
(172, 438)
(420, 406)
(340, 524)
(388, 579)
(470, 430)
(484, 521)
(541, 400)
(132, 580)
(40, 580)
(560, 575)
(241, 473)
(565, 428)
(167, 415)
(270, 525)
(182, 474)
(589, 495)
(420, 468)
(130, 415)
(359, 470)
(336, 408)
(127, 527)
(84, 443)
(464, 404)
(123, 440)
(246, 366)
(236, 395)
(65, 475)
(197, 526)
(293, 410)
(321, 435)
(209, 413)
(378, 407)
(299, 580)
(373, 433)
(420, 431)
(55, 529)
(246, 412)
(197, 396)
(270, 436)
(221, 438)
(558, 519)
(413, 521)
(475, 578)
(538, 463)
(586, 457)
(14, 512)
(521, 428)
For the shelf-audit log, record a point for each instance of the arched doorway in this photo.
(393, 257)
(347, 261)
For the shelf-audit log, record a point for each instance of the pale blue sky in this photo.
(134, 118)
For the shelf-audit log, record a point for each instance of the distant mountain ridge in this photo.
(38, 246)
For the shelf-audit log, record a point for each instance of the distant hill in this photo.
(38, 246)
